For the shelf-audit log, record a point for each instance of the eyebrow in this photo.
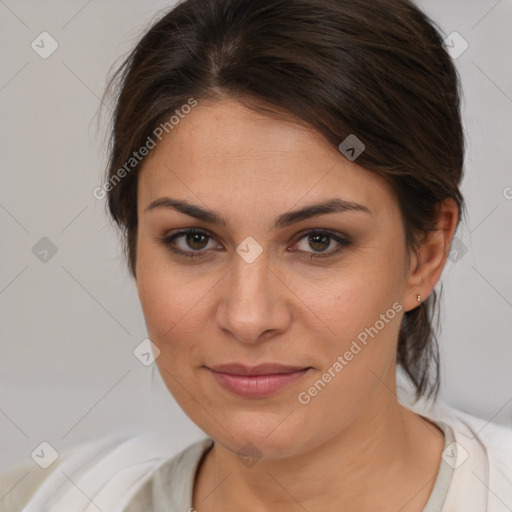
(335, 205)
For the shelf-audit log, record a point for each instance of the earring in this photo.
(419, 298)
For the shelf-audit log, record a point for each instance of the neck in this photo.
(371, 464)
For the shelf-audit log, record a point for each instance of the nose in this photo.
(255, 302)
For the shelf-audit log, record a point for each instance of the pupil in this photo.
(194, 238)
(319, 239)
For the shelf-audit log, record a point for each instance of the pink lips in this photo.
(258, 381)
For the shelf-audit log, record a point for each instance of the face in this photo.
(274, 329)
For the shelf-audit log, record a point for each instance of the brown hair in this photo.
(373, 68)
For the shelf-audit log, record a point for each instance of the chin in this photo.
(260, 434)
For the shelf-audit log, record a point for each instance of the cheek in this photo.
(351, 299)
(164, 296)
(176, 302)
(172, 321)
(361, 314)
(168, 307)
(360, 311)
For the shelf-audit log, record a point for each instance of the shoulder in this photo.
(111, 468)
(482, 467)
(493, 439)
(480, 456)
(20, 482)
(475, 435)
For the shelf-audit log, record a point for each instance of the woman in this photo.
(286, 178)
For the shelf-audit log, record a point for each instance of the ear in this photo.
(427, 262)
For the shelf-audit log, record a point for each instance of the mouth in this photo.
(258, 381)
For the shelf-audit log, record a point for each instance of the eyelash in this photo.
(343, 243)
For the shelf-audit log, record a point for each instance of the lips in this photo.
(261, 369)
(257, 381)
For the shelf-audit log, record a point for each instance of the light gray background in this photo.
(70, 325)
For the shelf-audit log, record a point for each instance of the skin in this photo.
(353, 447)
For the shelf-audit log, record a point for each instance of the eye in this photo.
(320, 241)
(191, 242)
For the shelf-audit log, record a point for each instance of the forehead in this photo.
(224, 150)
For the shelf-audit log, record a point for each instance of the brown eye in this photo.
(196, 241)
(319, 242)
(323, 244)
(188, 243)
